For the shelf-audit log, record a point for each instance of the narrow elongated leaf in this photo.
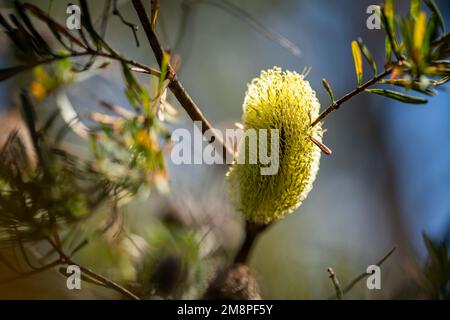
(435, 9)
(358, 61)
(388, 20)
(430, 29)
(327, 87)
(58, 37)
(398, 96)
(388, 49)
(405, 27)
(49, 8)
(154, 4)
(26, 20)
(419, 30)
(23, 40)
(407, 84)
(87, 23)
(389, 11)
(439, 70)
(53, 25)
(10, 72)
(368, 56)
(414, 8)
(164, 67)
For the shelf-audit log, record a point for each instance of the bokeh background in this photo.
(387, 181)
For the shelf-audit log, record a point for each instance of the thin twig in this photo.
(130, 25)
(336, 284)
(25, 255)
(80, 246)
(175, 85)
(351, 94)
(365, 274)
(53, 59)
(107, 282)
(35, 271)
(247, 18)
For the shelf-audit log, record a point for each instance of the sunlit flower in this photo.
(284, 101)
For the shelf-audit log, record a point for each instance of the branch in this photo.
(336, 284)
(107, 282)
(38, 13)
(10, 72)
(175, 85)
(365, 274)
(34, 271)
(351, 94)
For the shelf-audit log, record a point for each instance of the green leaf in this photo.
(50, 5)
(358, 61)
(389, 11)
(388, 49)
(388, 20)
(430, 29)
(164, 68)
(414, 8)
(405, 27)
(397, 96)
(327, 87)
(368, 56)
(419, 30)
(133, 89)
(407, 84)
(154, 6)
(435, 9)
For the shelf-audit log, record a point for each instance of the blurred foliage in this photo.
(44, 192)
(170, 263)
(52, 195)
(437, 269)
(47, 81)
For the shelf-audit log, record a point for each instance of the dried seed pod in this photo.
(284, 101)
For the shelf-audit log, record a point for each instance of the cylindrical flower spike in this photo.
(283, 101)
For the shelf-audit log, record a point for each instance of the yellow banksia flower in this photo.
(284, 101)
